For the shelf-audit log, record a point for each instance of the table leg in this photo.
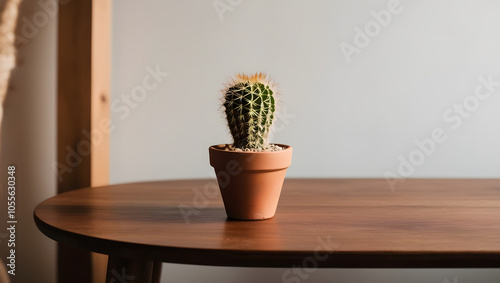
(156, 272)
(126, 270)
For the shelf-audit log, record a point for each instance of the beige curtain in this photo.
(7, 63)
(7, 48)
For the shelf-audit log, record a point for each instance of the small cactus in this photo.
(249, 106)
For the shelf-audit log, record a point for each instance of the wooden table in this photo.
(327, 223)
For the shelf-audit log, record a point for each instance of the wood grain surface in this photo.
(355, 223)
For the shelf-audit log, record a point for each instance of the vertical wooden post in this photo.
(84, 67)
(100, 91)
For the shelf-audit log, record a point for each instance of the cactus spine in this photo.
(249, 106)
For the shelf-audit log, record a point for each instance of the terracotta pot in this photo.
(250, 182)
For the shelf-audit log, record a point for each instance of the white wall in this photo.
(29, 142)
(345, 116)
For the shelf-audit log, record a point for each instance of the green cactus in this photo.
(249, 106)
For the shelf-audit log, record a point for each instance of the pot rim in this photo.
(285, 146)
(251, 160)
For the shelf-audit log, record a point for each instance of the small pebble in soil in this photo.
(271, 147)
